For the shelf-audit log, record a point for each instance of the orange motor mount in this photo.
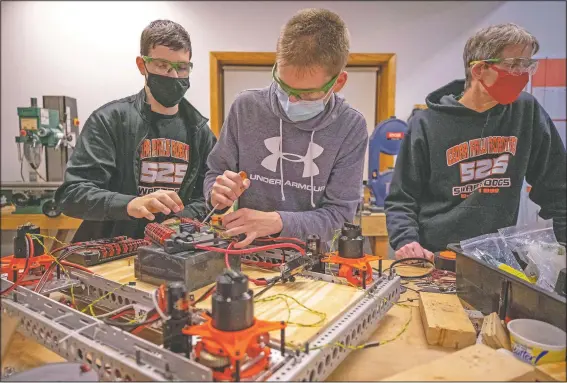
(354, 265)
(234, 343)
(14, 265)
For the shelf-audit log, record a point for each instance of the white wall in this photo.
(86, 50)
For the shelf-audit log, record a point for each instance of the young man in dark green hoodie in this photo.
(143, 157)
(462, 164)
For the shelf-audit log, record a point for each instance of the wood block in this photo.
(494, 334)
(476, 363)
(500, 332)
(9, 327)
(552, 372)
(445, 321)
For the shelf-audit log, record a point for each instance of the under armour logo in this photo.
(271, 162)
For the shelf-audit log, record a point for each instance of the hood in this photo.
(445, 99)
(334, 108)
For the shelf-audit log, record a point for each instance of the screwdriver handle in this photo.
(244, 177)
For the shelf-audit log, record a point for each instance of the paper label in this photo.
(44, 117)
(68, 119)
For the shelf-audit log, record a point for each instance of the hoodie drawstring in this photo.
(280, 154)
(311, 166)
(281, 161)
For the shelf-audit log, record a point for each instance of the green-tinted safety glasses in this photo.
(163, 66)
(304, 94)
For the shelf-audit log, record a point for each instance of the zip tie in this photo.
(61, 317)
(78, 331)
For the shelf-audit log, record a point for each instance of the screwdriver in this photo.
(244, 177)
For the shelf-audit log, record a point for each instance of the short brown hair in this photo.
(314, 37)
(166, 33)
(489, 42)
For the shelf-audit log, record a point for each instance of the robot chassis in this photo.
(119, 355)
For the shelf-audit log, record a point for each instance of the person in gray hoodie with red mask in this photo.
(301, 144)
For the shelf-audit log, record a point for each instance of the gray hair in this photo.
(488, 43)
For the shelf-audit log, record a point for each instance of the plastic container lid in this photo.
(537, 333)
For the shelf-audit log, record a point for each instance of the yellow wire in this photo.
(90, 306)
(284, 297)
(360, 347)
(48, 252)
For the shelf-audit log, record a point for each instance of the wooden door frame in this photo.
(385, 81)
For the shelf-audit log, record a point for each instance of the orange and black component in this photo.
(13, 265)
(158, 233)
(445, 260)
(178, 312)
(233, 343)
(354, 265)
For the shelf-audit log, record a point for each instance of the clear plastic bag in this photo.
(491, 249)
(537, 232)
(545, 261)
(536, 245)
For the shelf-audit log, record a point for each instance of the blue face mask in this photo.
(302, 110)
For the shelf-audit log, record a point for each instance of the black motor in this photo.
(178, 311)
(233, 308)
(21, 244)
(314, 247)
(351, 241)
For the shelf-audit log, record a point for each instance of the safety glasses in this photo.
(304, 94)
(515, 66)
(163, 66)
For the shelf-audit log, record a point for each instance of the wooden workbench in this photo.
(62, 227)
(409, 349)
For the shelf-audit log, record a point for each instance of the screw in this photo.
(8, 371)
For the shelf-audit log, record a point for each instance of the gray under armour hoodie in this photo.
(310, 172)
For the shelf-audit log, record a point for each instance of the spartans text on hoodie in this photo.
(460, 173)
(310, 172)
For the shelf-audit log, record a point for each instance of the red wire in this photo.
(120, 315)
(140, 328)
(226, 254)
(253, 249)
(228, 251)
(70, 264)
(25, 273)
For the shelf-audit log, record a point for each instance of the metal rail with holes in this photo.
(352, 328)
(119, 355)
(115, 354)
(111, 295)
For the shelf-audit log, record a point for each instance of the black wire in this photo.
(131, 326)
(205, 294)
(269, 286)
(409, 288)
(404, 260)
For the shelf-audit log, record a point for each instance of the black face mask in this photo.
(168, 91)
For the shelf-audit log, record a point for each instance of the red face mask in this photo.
(507, 87)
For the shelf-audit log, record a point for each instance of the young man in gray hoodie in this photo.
(301, 144)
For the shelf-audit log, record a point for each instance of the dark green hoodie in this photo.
(459, 173)
(103, 174)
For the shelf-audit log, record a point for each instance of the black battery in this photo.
(196, 268)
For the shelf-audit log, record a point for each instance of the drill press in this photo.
(51, 129)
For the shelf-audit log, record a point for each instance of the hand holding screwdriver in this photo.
(226, 189)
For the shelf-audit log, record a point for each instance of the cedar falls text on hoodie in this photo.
(313, 180)
(460, 173)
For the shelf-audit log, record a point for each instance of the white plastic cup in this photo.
(536, 342)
